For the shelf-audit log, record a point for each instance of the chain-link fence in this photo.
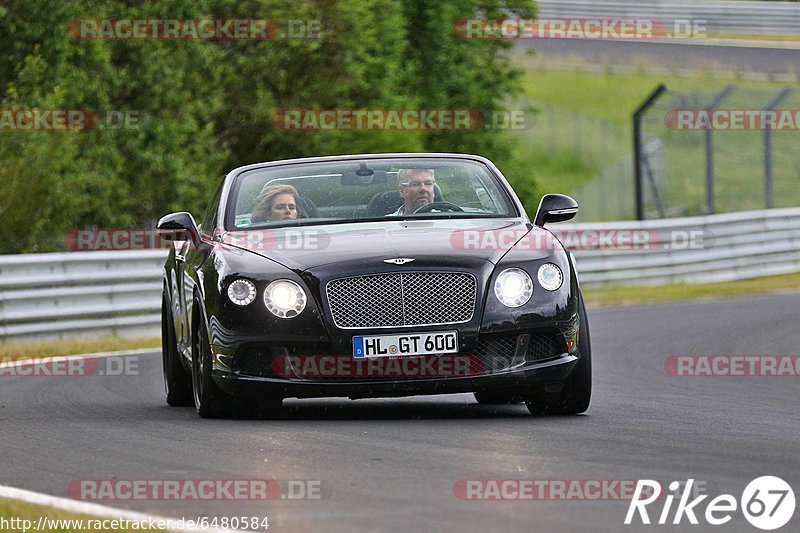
(592, 139)
(609, 195)
(700, 152)
(733, 149)
(593, 143)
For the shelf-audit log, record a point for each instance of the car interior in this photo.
(363, 193)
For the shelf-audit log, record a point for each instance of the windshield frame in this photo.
(234, 180)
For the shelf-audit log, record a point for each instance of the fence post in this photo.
(768, 192)
(710, 149)
(637, 148)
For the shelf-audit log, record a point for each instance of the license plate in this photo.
(433, 343)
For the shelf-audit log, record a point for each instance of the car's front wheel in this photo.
(177, 382)
(209, 400)
(577, 392)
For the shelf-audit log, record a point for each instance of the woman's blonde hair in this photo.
(263, 208)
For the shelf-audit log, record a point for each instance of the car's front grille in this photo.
(498, 351)
(402, 299)
(504, 345)
(264, 360)
(544, 346)
(253, 361)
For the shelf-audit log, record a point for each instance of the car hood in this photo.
(427, 242)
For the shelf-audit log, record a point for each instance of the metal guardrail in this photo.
(118, 293)
(720, 17)
(728, 247)
(81, 294)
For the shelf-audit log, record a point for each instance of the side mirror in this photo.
(178, 227)
(555, 208)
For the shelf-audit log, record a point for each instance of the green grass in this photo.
(611, 96)
(565, 171)
(758, 37)
(12, 509)
(560, 171)
(629, 295)
(22, 350)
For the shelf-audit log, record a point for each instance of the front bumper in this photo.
(521, 380)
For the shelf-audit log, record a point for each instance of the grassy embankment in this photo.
(23, 350)
(13, 509)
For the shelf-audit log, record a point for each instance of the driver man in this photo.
(416, 189)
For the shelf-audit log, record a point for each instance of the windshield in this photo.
(351, 191)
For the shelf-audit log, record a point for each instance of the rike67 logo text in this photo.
(767, 503)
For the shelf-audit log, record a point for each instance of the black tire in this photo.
(209, 400)
(577, 393)
(495, 398)
(177, 382)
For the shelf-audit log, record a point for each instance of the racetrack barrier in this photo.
(88, 294)
(720, 17)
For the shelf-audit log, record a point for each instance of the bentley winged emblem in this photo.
(399, 260)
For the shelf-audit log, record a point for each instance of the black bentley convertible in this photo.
(371, 276)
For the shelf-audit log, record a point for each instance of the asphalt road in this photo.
(665, 54)
(391, 465)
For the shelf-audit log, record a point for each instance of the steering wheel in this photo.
(442, 206)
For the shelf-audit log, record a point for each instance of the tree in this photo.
(207, 106)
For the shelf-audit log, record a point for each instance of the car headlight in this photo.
(550, 276)
(241, 292)
(513, 287)
(284, 298)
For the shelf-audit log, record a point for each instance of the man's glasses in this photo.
(416, 184)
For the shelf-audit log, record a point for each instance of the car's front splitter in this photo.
(522, 380)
